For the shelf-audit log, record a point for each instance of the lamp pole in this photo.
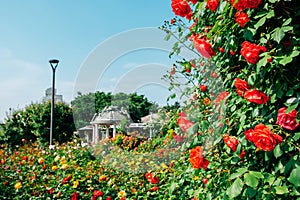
(53, 64)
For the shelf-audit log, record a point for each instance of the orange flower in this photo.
(102, 178)
(197, 159)
(18, 185)
(41, 160)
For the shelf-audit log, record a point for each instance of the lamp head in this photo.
(53, 61)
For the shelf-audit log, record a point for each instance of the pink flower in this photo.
(183, 122)
(203, 47)
(287, 120)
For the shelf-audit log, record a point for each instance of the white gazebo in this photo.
(109, 116)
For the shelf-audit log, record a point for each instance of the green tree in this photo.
(33, 124)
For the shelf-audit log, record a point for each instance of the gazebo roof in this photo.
(110, 115)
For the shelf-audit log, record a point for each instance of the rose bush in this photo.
(252, 48)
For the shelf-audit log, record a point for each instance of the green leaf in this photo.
(235, 189)
(239, 172)
(277, 151)
(251, 180)
(291, 107)
(252, 79)
(294, 53)
(281, 190)
(270, 14)
(260, 22)
(287, 28)
(255, 112)
(287, 22)
(289, 93)
(257, 174)
(295, 177)
(172, 187)
(285, 60)
(167, 37)
(278, 35)
(296, 136)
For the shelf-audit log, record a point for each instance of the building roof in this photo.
(110, 115)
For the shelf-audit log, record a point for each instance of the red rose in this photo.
(239, 92)
(183, 122)
(264, 139)
(196, 158)
(193, 1)
(203, 47)
(269, 59)
(243, 4)
(241, 18)
(241, 84)
(248, 134)
(151, 179)
(75, 196)
(182, 8)
(255, 96)
(231, 52)
(212, 5)
(221, 97)
(230, 141)
(287, 120)
(203, 88)
(251, 51)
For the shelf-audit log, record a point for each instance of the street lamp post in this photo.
(54, 64)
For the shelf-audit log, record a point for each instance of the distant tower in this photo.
(48, 93)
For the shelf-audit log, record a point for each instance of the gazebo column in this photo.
(107, 131)
(96, 133)
(114, 130)
(93, 135)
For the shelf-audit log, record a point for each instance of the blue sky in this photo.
(34, 31)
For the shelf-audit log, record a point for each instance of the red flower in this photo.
(221, 49)
(242, 154)
(151, 179)
(251, 51)
(205, 181)
(263, 138)
(270, 59)
(241, 18)
(255, 96)
(231, 52)
(287, 120)
(221, 97)
(203, 88)
(203, 47)
(67, 179)
(155, 188)
(212, 5)
(183, 122)
(241, 84)
(109, 198)
(96, 194)
(230, 141)
(193, 1)
(239, 92)
(243, 4)
(51, 191)
(196, 158)
(182, 8)
(248, 134)
(75, 196)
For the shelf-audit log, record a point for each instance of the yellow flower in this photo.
(65, 166)
(63, 160)
(122, 193)
(41, 160)
(54, 168)
(102, 178)
(75, 184)
(18, 185)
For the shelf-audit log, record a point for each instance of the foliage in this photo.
(85, 106)
(33, 124)
(245, 72)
